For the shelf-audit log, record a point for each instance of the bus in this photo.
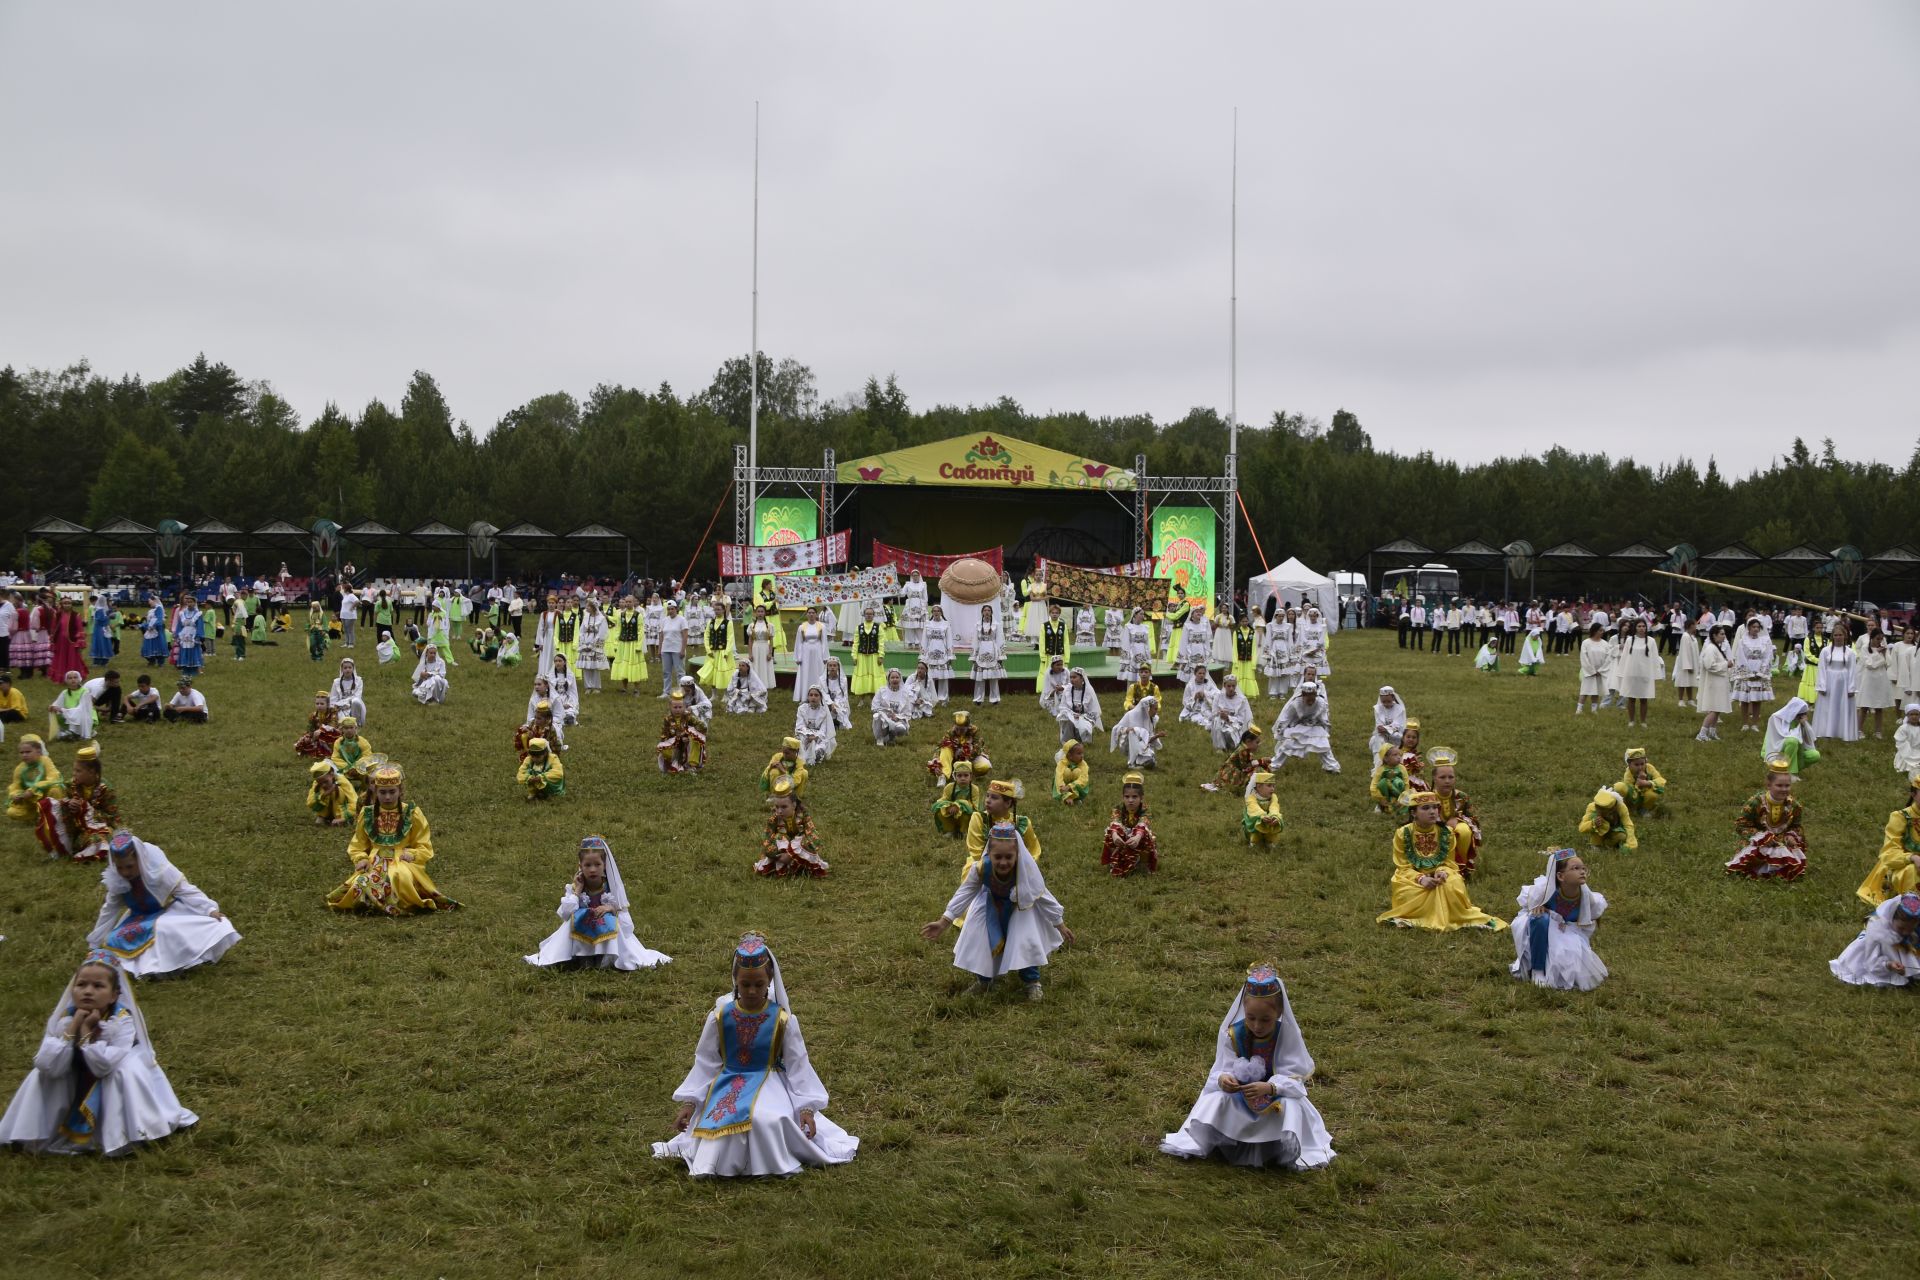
(1431, 581)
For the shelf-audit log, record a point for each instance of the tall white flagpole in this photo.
(753, 349)
(1233, 304)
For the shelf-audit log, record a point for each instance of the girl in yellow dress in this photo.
(1428, 890)
(1641, 786)
(868, 669)
(1389, 787)
(541, 772)
(1897, 871)
(1143, 687)
(720, 663)
(958, 801)
(35, 778)
(1070, 773)
(330, 797)
(1263, 821)
(1246, 650)
(786, 763)
(390, 849)
(1607, 824)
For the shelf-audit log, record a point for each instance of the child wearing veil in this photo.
(1553, 934)
(596, 922)
(154, 921)
(1011, 923)
(1253, 1110)
(95, 1087)
(752, 1103)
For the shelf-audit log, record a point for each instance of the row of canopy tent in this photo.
(173, 537)
(1736, 557)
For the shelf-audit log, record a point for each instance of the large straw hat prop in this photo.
(970, 580)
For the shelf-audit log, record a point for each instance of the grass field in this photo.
(407, 1098)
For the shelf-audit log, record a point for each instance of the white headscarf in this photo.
(776, 988)
(1547, 884)
(142, 1043)
(1780, 725)
(805, 715)
(159, 875)
(1089, 710)
(1140, 718)
(754, 684)
(1290, 1056)
(616, 888)
(1029, 886)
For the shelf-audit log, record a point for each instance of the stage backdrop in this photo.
(989, 461)
(1183, 545)
(777, 521)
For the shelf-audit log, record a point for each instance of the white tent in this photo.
(1294, 583)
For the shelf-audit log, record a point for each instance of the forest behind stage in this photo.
(207, 442)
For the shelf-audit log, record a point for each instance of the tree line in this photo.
(205, 442)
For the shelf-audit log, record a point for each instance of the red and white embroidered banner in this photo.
(1135, 569)
(929, 566)
(737, 561)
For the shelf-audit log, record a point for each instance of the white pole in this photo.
(1233, 303)
(753, 349)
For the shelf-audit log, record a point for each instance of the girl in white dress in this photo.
(1553, 932)
(1114, 631)
(1389, 720)
(566, 692)
(1596, 658)
(1640, 667)
(760, 646)
(1083, 629)
(153, 920)
(809, 654)
(936, 646)
(989, 658)
(1834, 714)
(1078, 709)
(1887, 952)
(752, 1104)
(813, 725)
(1753, 659)
(1282, 662)
(1874, 685)
(1686, 664)
(920, 691)
(1231, 714)
(95, 1087)
(348, 693)
(592, 639)
(1196, 644)
(1196, 703)
(913, 616)
(1253, 1109)
(1137, 644)
(596, 924)
(833, 684)
(1716, 683)
(430, 677)
(1310, 637)
(746, 695)
(1011, 923)
(1138, 733)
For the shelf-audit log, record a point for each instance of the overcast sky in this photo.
(1658, 228)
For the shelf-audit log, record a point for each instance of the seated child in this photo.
(752, 1104)
(958, 801)
(786, 763)
(144, 702)
(1770, 821)
(79, 824)
(789, 847)
(683, 743)
(1253, 1110)
(1606, 824)
(1389, 785)
(35, 778)
(153, 920)
(962, 742)
(390, 848)
(813, 725)
(1012, 922)
(1887, 952)
(1428, 891)
(1129, 840)
(541, 772)
(1897, 870)
(1641, 786)
(596, 922)
(95, 1087)
(187, 705)
(1553, 934)
(330, 798)
(1071, 777)
(1241, 765)
(1456, 810)
(1263, 822)
(322, 729)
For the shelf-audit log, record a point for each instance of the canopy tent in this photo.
(374, 536)
(1473, 554)
(1293, 581)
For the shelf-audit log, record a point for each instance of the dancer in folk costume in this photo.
(1303, 728)
(591, 639)
(1012, 924)
(913, 615)
(1137, 647)
(920, 691)
(1906, 741)
(813, 725)
(1137, 734)
(153, 635)
(892, 711)
(1196, 702)
(989, 658)
(1686, 665)
(937, 649)
(868, 664)
(1245, 647)
(78, 823)
(348, 692)
(627, 641)
(786, 763)
(541, 775)
(1077, 710)
(1456, 808)
(541, 722)
(1389, 719)
(1836, 677)
(430, 677)
(1553, 934)
(331, 799)
(1311, 639)
(1196, 641)
(153, 920)
(699, 705)
(1053, 683)
(1083, 637)
(1608, 823)
(717, 670)
(1056, 643)
(809, 655)
(323, 729)
(1253, 1109)
(745, 695)
(1262, 823)
(391, 845)
(1873, 686)
(565, 694)
(833, 686)
(1596, 664)
(1533, 649)
(1388, 785)
(1231, 714)
(683, 742)
(1143, 686)
(753, 1105)
(789, 847)
(1177, 611)
(71, 714)
(1887, 952)
(1001, 804)
(1240, 765)
(1428, 891)
(1716, 683)
(1129, 841)
(1113, 631)
(1281, 660)
(95, 1087)
(958, 801)
(1072, 779)
(1897, 870)
(1769, 822)
(962, 742)
(596, 919)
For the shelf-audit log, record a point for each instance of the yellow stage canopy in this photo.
(989, 461)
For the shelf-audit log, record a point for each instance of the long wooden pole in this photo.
(1764, 595)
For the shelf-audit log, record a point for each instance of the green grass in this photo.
(408, 1098)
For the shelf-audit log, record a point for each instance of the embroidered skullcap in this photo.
(89, 753)
(1008, 787)
(1635, 753)
(124, 841)
(536, 744)
(595, 842)
(105, 959)
(752, 952)
(1069, 745)
(782, 786)
(1263, 778)
(388, 775)
(320, 767)
(963, 766)
(1004, 831)
(790, 744)
(1606, 798)
(349, 722)
(1909, 906)
(960, 717)
(981, 764)
(1263, 980)
(1133, 779)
